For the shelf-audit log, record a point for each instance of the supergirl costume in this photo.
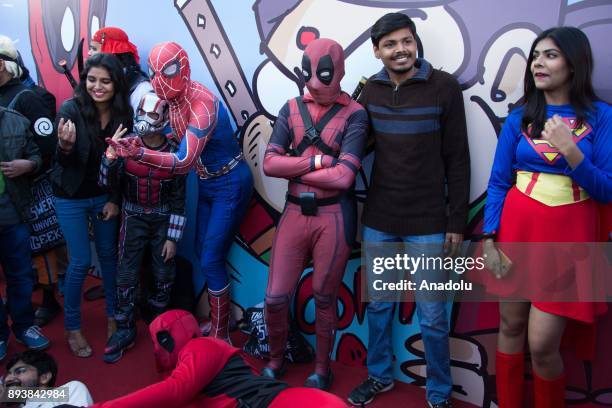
(548, 202)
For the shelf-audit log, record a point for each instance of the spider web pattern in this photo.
(193, 110)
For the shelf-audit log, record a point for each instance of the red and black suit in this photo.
(317, 144)
(153, 211)
(208, 372)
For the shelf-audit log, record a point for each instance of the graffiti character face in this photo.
(56, 28)
(551, 72)
(169, 70)
(398, 51)
(99, 85)
(323, 68)
(94, 48)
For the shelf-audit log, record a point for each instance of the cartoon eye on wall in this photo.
(96, 16)
(171, 70)
(62, 28)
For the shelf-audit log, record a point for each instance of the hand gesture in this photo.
(110, 210)
(492, 259)
(129, 147)
(558, 134)
(452, 244)
(169, 250)
(110, 152)
(16, 168)
(66, 135)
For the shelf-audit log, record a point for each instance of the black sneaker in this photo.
(444, 404)
(121, 340)
(367, 390)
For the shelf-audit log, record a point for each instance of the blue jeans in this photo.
(16, 261)
(222, 203)
(433, 319)
(73, 215)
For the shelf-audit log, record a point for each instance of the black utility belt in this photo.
(309, 203)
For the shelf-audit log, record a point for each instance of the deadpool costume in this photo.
(207, 372)
(153, 213)
(317, 144)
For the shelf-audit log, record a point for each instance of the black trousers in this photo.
(139, 232)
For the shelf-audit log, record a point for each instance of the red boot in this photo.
(549, 393)
(510, 379)
(219, 314)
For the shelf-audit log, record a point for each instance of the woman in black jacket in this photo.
(99, 109)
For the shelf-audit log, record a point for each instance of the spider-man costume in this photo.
(210, 373)
(153, 212)
(319, 219)
(207, 143)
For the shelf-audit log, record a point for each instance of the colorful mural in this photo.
(249, 53)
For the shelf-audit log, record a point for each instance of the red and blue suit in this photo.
(319, 219)
(207, 372)
(535, 196)
(207, 144)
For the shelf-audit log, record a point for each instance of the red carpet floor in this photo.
(137, 368)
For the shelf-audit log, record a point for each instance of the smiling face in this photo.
(398, 53)
(550, 70)
(99, 85)
(25, 375)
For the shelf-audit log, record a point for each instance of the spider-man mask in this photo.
(169, 70)
(323, 69)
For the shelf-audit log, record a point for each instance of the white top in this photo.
(136, 95)
(78, 395)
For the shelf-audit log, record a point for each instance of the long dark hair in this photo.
(121, 111)
(133, 73)
(576, 50)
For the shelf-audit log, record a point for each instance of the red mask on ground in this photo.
(169, 70)
(170, 332)
(323, 69)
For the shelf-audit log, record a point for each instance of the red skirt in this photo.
(605, 216)
(525, 220)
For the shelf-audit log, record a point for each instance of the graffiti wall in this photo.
(248, 52)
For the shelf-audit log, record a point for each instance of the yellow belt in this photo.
(550, 189)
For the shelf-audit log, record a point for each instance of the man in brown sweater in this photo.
(418, 194)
